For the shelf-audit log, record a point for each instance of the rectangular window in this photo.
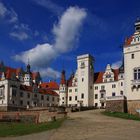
(102, 95)
(75, 98)
(113, 94)
(70, 90)
(102, 87)
(14, 93)
(52, 98)
(137, 74)
(42, 97)
(132, 56)
(21, 94)
(70, 98)
(28, 95)
(96, 104)
(96, 96)
(121, 92)
(121, 83)
(48, 98)
(82, 79)
(96, 88)
(113, 86)
(21, 102)
(76, 90)
(82, 96)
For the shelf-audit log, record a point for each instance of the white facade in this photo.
(86, 88)
(132, 65)
(85, 80)
(16, 94)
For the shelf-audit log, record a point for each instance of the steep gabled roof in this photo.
(50, 85)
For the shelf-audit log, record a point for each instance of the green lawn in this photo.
(122, 115)
(18, 129)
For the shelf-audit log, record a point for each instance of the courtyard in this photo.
(89, 125)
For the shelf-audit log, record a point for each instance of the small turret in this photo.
(63, 78)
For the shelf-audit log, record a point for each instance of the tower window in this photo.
(96, 96)
(132, 56)
(82, 95)
(70, 98)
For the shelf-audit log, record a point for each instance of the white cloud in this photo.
(52, 7)
(8, 14)
(49, 72)
(116, 65)
(66, 32)
(21, 32)
(19, 35)
(40, 56)
(3, 10)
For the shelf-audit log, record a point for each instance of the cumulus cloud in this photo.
(49, 72)
(65, 32)
(116, 65)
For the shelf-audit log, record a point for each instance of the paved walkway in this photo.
(90, 125)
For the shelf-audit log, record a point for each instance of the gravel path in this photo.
(89, 125)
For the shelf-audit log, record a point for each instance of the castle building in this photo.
(21, 89)
(113, 89)
(132, 69)
(86, 88)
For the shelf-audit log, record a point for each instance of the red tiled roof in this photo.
(98, 77)
(26, 88)
(40, 90)
(116, 73)
(50, 85)
(70, 80)
(48, 91)
(128, 41)
(63, 79)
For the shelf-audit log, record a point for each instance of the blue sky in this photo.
(51, 33)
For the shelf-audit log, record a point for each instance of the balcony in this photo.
(102, 91)
(110, 98)
(136, 82)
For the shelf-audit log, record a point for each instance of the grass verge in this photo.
(122, 115)
(19, 129)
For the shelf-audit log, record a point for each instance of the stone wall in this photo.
(133, 106)
(31, 116)
(116, 106)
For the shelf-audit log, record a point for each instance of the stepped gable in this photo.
(98, 76)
